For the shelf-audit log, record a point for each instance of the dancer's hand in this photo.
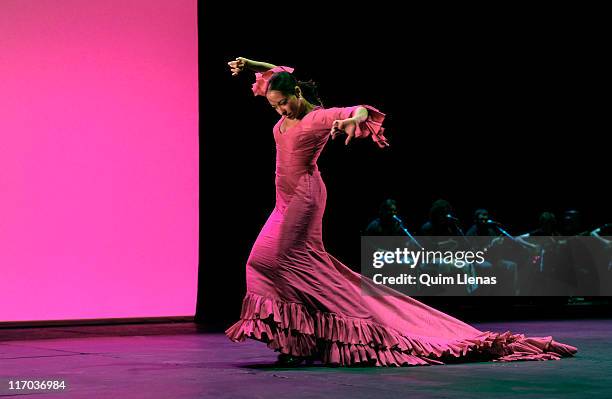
(344, 126)
(238, 65)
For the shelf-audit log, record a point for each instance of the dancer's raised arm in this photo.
(241, 63)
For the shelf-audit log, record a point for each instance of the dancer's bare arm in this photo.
(241, 63)
(349, 125)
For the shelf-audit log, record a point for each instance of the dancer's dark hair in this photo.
(285, 82)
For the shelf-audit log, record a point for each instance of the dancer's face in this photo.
(287, 105)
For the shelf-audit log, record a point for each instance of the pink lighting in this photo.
(98, 159)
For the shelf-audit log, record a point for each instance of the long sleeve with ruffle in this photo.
(371, 127)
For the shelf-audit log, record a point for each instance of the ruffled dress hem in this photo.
(337, 340)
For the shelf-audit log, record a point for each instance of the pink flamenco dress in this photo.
(303, 302)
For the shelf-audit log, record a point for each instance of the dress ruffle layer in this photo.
(337, 340)
(372, 127)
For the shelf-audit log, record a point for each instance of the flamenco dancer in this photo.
(307, 305)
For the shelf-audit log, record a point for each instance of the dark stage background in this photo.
(503, 111)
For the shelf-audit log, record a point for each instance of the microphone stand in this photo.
(522, 244)
(405, 230)
(460, 231)
(504, 232)
(512, 238)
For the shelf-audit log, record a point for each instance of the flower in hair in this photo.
(260, 87)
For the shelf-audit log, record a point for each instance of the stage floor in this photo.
(178, 360)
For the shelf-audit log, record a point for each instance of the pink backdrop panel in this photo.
(98, 159)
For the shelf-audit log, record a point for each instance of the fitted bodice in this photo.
(297, 150)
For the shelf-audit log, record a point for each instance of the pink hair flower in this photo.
(260, 87)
